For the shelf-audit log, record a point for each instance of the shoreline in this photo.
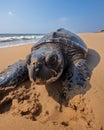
(19, 44)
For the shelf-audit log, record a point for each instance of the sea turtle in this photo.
(59, 54)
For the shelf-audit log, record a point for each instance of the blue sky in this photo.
(42, 16)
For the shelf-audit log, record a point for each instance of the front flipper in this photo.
(78, 75)
(14, 74)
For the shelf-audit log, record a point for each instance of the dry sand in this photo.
(30, 107)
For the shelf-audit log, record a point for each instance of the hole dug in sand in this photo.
(5, 105)
(64, 123)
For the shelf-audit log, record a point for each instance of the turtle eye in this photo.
(52, 60)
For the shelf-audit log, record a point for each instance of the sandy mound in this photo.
(38, 104)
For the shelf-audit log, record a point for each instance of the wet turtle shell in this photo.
(65, 39)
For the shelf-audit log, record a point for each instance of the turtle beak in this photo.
(34, 70)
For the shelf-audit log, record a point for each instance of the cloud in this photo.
(64, 19)
(10, 13)
(63, 22)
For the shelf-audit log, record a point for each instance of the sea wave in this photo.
(16, 40)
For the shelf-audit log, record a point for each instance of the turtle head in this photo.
(45, 64)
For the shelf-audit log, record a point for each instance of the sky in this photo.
(42, 16)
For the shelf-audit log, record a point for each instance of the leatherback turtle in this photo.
(59, 54)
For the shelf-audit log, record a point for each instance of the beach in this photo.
(29, 107)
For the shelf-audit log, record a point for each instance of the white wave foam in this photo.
(14, 38)
(6, 41)
(15, 45)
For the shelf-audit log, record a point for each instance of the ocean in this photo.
(8, 40)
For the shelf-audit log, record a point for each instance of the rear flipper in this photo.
(14, 74)
(78, 75)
